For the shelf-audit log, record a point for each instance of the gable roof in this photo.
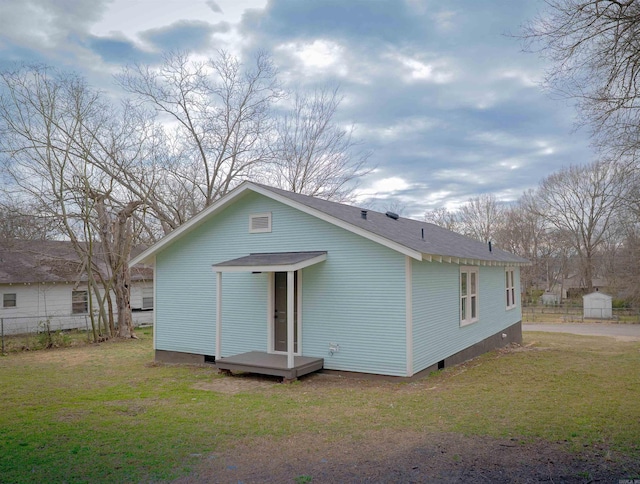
(47, 261)
(402, 234)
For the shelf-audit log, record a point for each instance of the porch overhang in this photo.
(271, 262)
(288, 262)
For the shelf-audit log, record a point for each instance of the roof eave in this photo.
(403, 249)
(471, 261)
(148, 256)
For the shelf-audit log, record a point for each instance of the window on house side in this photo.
(79, 302)
(469, 280)
(9, 300)
(147, 298)
(510, 288)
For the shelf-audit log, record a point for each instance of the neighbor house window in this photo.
(147, 298)
(79, 302)
(9, 300)
(260, 222)
(510, 287)
(468, 295)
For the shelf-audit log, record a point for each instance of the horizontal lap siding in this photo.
(37, 300)
(435, 312)
(436, 320)
(355, 298)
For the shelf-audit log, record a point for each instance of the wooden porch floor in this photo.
(270, 364)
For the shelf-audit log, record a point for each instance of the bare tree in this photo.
(526, 232)
(54, 132)
(443, 218)
(220, 111)
(19, 220)
(581, 203)
(480, 217)
(312, 154)
(595, 49)
(625, 269)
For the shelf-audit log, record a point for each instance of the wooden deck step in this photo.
(269, 364)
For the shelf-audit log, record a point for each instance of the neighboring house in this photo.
(574, 286)
(265, 273)
(42, 280)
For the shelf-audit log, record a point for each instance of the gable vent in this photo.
(260, 222)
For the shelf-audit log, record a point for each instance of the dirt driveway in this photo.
(623, 332)
(408, 457)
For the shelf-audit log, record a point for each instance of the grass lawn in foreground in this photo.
(107, 413)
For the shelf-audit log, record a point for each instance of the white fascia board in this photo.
(272, 268)
(194, 222)
(472, 262)
(340, 223)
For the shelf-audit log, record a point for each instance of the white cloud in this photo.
(405, 128)
(497, 138)
(445, 19)
(438, 71)
(544, 148)
(510, 163)
(319, 55)
(383, 188)
(526, 79)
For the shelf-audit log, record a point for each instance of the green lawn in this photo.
(107, 413)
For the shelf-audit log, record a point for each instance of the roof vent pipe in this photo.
(489, 246)
(363, 214)
(422, 234)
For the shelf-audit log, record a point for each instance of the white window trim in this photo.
(86, 301)
(15, 300)
(149, 295)
(259, 215)
(510, 289)
(469, 270)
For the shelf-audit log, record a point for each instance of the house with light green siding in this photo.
(280, 283)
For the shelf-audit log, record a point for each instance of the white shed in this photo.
(597, 305)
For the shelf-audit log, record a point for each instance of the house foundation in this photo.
(512, 334)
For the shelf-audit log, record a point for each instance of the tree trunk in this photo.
(116, 244)
(122, 285)
(107, 298)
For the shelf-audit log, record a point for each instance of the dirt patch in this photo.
(67, 416)
(66, 357)
(388, 456)
(240, 383)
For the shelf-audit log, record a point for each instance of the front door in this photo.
(280, 312)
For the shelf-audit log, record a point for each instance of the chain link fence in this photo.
(26, 327)
(573, 313)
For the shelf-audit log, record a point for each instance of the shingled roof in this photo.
(421, 240)
(437, 241)
(47, 261)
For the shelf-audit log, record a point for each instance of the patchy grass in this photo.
(45, 340)
(106, 413)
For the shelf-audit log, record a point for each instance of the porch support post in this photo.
(290, 319)
(218, 315)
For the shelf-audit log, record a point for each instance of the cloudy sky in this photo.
(440, 91)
